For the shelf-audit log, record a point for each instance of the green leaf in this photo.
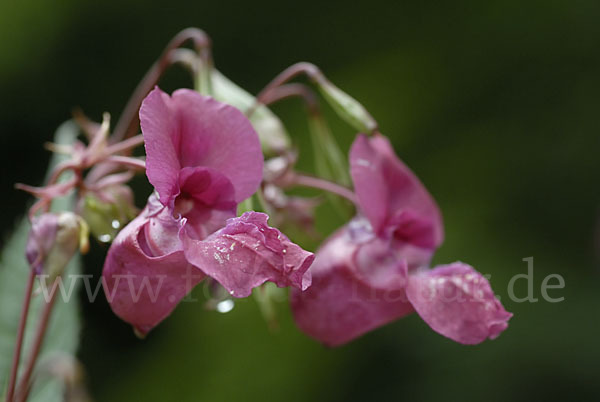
(63, 331)
(271, 132)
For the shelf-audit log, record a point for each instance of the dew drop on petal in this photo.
(363, 162)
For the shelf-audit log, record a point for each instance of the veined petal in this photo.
(391, 196)
(160, 128)
(145, 273)
(217, 135)
(159, 234)
(190, 130)
(346, 298)
(246, 253)
(457, 302)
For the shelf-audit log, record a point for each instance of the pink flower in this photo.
(203, 157)
(374, 269)
(262, 253)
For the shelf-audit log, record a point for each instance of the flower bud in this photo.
(346, 106)
(53, 240)
(107, 216)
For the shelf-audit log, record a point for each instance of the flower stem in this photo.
(127, 161)
(288, 74)
(24, 386)
(326, 185)
(125, 145)
(346, 107)
(275, 94)
(129, 118)
(20, 336)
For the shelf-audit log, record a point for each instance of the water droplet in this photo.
(219, 258)
(115, 224)
(225, 306)
(105, 238)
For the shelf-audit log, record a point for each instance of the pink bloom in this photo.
(458, 302)
(145, 273)
(203, 157)
(374, 269)
(262, 254)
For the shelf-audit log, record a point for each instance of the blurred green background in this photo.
(495, 105)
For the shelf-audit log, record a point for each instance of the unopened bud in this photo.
(107, 216)
(346, 106)
(53, 240)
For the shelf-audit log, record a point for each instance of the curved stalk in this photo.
(322, 184)
(129, 118)
(24, 384)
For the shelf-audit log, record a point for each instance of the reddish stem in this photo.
(24, 386)
(287, 91)
(322, 184)
(20, 336)
(124, 145)
(129, 119)
(127, 161)
(288, 74)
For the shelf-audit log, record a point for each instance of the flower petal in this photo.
(160, 127)
(457, 302)
(206, 200)
(246, 253)
(218, 135)
(146, 274)
(159, 235)
(189, 130)
(345, 301)
(391, 196)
